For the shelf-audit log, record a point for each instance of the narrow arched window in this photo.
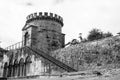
(10, 66)
(15, 68)
(27, 66)
(21, 67)
(26, 39)
(5, 71)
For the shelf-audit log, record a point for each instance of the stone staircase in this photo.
(52, 59)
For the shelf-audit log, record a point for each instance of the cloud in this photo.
(63, 1)
(58, 1)
(29, 4)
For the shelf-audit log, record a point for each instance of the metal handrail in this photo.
(15, 46)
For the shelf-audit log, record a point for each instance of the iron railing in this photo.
(15, 46)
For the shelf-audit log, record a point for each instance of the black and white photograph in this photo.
(59, 39)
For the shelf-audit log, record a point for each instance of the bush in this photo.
(96, 34)
(108, 34)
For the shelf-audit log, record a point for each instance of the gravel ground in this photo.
(113, 74)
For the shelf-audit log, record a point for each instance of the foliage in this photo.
(98, 53)
(108, 34)
(88, 59)
(96, 34)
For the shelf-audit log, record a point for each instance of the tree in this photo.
(95, 34)
(108, 34)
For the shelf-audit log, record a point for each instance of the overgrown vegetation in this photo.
(92, 54)
(96, 34)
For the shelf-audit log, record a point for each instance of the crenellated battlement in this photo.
(46, 16)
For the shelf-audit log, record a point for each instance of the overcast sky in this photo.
(80, 16)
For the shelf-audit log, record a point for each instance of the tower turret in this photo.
(44, 31)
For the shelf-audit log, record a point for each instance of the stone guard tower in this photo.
(43, 31)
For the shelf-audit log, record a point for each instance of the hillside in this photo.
(99, 54)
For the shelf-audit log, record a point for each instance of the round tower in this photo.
(44, 31)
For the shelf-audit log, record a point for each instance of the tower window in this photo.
(26, 38)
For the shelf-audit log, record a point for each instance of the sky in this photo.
(80, 16)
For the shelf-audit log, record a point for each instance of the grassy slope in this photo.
(92, 55)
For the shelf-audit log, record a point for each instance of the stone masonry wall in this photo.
(30, 60)
(45, 35)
